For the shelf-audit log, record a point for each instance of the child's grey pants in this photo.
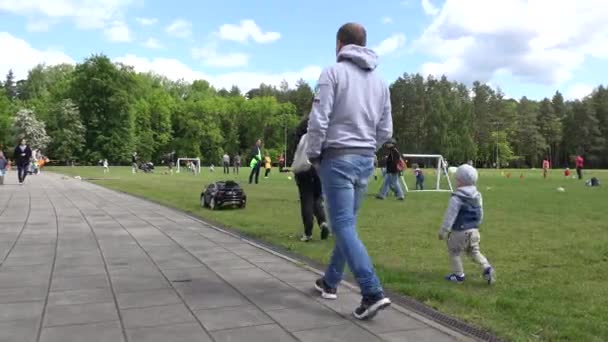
(468, 241)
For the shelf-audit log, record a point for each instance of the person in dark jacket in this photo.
(22, 155)
(311, 195)
(256, 162)
(391, 179)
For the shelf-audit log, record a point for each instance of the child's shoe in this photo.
(455, 278)
(489, 275)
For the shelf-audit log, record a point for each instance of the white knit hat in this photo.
(466, 174)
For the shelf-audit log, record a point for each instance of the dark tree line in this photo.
(439, 116)
(100, 109)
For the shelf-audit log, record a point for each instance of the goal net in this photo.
(434, 169)
(190, 164)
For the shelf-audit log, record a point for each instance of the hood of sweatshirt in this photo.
(361, 56)
(469, 194)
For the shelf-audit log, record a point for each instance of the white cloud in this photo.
(180, 28)
(147, 21)
(23, 56)
(175, 70)
(387, 20)
(85, 14)
(390, 44)
(39, 25)
(245, 30)
(541, 41)
(211, 57)
(153, 43)
(429, 8)
(118, 32)
(578, 91)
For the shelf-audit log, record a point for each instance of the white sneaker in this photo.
(305, 238)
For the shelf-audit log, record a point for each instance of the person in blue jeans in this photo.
(391, 178)
(350, 119)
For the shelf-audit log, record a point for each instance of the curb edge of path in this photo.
(406, 305)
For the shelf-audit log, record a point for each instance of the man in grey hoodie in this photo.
(461, 225)
(349, 121)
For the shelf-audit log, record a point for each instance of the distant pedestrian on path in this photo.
(256, 162)
(23, 156)
(580, 163)
(461, 225)
(349, 120)
(226, 161)
(3, 166)
(236, 162)
(106, 166)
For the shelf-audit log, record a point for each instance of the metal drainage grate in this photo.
(442, 318)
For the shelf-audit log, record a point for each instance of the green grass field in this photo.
(549, 248)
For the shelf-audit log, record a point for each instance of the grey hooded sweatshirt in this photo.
(351, 111)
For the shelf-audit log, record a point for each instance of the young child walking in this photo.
(419, 179)
(461, 225)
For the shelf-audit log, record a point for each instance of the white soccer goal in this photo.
(438, 163)
(196, 160)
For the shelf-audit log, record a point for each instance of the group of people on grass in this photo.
(236, 163)
(350, 119)
(257, 161)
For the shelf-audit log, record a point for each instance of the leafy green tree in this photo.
(586, 137)
(301, 97)
(6, 120)
(529, 142)
(550, 127)
(26, 125)
(67, 131)
(10, 87)
(103, 93)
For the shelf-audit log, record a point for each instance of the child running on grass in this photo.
(461, 225)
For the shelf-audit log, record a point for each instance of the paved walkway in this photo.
(83, 263)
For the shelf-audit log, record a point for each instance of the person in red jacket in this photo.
(579, 166)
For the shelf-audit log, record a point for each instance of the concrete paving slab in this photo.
(258, 333)
(232, 317)
(96, 332)
(80, 314)
(182, 332)
(156, 315)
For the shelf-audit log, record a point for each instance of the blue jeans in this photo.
(391, 182)
(344, 180)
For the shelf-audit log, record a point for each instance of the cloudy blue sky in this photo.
(526, 47)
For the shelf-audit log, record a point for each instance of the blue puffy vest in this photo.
(469, 216)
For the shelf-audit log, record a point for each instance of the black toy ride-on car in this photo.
(223, 194)
(147, 167)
